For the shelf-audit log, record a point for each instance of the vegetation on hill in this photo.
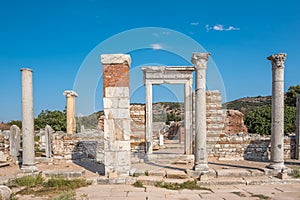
(258, 111)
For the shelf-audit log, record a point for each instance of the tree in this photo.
(259, 120)
(56, 119)
(15, 122)
(291, 95)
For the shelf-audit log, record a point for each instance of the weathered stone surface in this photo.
(27, 121)
(234, 122)
(71, 120)
(14, 141)
(5, 192)
(116, 113)
(277, 130)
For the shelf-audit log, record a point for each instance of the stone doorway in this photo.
(157, 75)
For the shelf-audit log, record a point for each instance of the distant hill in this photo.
(248, 103)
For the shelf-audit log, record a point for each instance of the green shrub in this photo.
(138, 184)
(62, 183)
(28, 181)
(66, 195)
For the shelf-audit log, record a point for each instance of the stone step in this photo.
(168, 158)
(65, 173)
(239, 173)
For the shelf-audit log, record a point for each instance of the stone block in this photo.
(117, 92)
(117, 113)
(110, 158)
(3, 157)
(124, 145)
(124, 158)
(124, 103)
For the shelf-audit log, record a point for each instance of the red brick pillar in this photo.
(116, 103)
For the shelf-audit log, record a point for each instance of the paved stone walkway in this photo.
(222, 192)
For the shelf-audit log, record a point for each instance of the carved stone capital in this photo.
(200, 60)
(277, 60)
(70, 93)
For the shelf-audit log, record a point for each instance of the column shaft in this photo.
(149, 136)
(188, 118)
(298, 128)
(71, 120)
(200, 61)
(277, 130)
(27, 121)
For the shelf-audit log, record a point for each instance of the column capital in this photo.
(70, 93)
(200, 60)
(108, 59)
(277, 60)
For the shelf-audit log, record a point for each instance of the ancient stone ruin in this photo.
(127, 134)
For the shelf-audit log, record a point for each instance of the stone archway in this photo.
(156, 75)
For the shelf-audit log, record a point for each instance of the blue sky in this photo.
(54, 38)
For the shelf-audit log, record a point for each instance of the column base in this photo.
(28, 169)
(201, 168)
(277, 166)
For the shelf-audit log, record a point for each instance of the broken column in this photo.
(48, 139)
(14, 142)
(28, 163)
(116, 102)
(71, 121)
(200, 62)
(277, 131)
(297, 137)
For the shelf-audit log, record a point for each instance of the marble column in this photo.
(188, 117)
(297, 137)
(71, 121)
(28, 163)
(277, 131)
(149, 134)
(200, 61)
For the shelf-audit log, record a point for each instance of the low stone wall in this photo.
(249, 147)
(81, 146)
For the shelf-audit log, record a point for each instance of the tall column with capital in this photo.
(28, 163)
(298, 128)
(200, 62)
(71, 121)
(277, 131)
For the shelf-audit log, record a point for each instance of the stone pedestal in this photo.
(116, 103)
(277, 137)
(71, 120)
(28, 164)
(200, 62)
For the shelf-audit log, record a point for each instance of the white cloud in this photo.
(156, 46)
(195, 23)
(220, 27)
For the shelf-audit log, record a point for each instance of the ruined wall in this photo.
(249, 147)
(234, 122)
(81, 146)
(4, 146)
(137, 122)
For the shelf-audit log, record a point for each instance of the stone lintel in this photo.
(277, 59)
(108, 59)
(70, 93)
(200, 59)
(170, 75)
(168, 68)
